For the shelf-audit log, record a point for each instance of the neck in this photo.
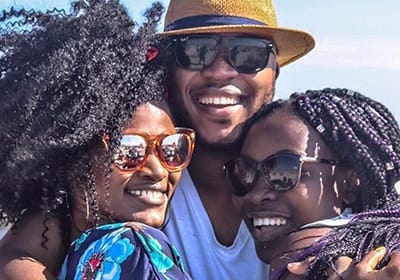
(280, 253)
(206, 170)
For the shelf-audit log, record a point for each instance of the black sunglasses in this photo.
(281, 171)
(246, 55)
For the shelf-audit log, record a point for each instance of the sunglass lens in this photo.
(196, 54)
(248, 55)
(242, 174)
(282, 172)
(131, 152)
(176, 150)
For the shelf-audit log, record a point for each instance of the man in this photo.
(227, 58)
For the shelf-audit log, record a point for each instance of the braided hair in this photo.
(364, 135)
(65, 80)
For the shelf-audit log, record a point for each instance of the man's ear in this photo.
(349, 186)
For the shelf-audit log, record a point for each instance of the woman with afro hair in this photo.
(81, 146)
(323, 166)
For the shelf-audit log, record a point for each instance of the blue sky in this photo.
(358, 44)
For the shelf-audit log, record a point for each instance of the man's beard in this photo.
(179, 114)
(232, 148)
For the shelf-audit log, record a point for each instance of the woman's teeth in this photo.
(148, 193)
(269, 222)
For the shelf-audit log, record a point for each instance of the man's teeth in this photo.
(149, 193)
(268, 222)
(218, 100)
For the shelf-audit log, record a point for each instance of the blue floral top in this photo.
(122, 251)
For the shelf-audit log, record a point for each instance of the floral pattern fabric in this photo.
(122, 251)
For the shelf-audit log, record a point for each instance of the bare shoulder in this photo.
(23, 255)
(14, 266)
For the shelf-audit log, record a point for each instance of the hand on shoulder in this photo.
(364, 270)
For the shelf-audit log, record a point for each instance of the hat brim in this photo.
(291, 44)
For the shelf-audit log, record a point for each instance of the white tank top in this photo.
(190, 230)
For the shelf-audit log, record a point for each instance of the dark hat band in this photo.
(210, 20)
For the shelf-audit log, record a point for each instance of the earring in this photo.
(105, 139)
(87, 207)
(397, 187)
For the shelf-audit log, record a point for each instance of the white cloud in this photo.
(356, 52)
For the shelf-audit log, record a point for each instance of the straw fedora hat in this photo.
(252, 17)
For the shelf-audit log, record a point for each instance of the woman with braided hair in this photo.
(74, 103)
(318, 176)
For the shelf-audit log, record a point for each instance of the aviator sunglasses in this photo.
(174, 150)
(281, 171)
(246, 55)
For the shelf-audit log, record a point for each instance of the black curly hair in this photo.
(65, 80)
(364, 135)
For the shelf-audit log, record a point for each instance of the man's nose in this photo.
(220, 69)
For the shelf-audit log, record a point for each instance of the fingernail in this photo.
(293, 265)
(381, 250)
